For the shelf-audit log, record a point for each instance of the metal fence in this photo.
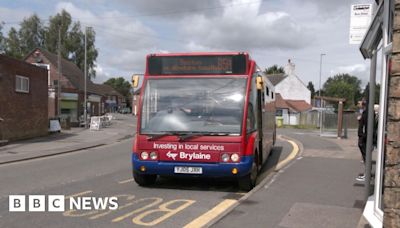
(329, 120)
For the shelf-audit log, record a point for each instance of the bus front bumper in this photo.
(165, 168)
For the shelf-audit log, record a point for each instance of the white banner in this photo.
(360, 18)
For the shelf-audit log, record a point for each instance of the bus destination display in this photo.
(193, 65)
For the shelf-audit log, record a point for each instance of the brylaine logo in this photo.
(172, 155)
(194, 156)
(56, 203)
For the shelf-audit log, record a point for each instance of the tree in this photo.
(310, 86)
(120, 85)
(2, 40)
(72, 40)
(75, 44)
(274, 69)
(13, 45)
(343, 86)
(58, 23)
(31, 34)
(365, 93)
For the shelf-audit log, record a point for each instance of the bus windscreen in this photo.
(197, 65)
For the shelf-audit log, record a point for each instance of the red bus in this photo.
(203, 114)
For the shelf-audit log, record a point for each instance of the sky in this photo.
(271, 31)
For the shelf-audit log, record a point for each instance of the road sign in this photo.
(360, 18)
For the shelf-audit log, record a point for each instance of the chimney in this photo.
(289, 68)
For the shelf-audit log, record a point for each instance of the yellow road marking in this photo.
(211, 214)
(78, 194)
(163, 208)
(156, 201)
(291, 156)
(125, 181)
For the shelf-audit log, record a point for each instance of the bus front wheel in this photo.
(248, 181)
(144, 179)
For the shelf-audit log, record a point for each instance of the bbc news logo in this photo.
(57, 203)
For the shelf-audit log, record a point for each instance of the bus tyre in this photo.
(144, 179)
(247, 182)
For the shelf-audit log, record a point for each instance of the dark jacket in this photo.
(363, 126)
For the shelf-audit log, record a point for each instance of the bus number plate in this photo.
(188, 170)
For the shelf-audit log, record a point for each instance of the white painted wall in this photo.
(292, 88)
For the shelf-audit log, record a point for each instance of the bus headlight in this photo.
(144, 155)
(153, 155)
(235, 157)
(225, 157)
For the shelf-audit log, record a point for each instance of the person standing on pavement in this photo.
(362, 133)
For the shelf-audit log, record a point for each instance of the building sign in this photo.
(360, 18)
(69, 96)
(197, 65)
(94, 98)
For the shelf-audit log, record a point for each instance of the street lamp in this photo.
(319, 94)
(85, 79)
(320, 72)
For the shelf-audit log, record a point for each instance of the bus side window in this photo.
(251, 113)
(250, 121)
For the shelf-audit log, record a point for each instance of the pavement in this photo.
(316, 189)
(122, 127)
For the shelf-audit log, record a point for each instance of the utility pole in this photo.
(319, 94)
(320, 73)
(85, 79)
(59, 73)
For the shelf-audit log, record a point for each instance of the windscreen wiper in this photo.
(157, 136)
(185, 135)
(200, 133)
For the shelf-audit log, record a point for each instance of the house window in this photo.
(267, 90)
(272, 95)
(21, 84)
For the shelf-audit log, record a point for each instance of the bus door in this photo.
(260, 112)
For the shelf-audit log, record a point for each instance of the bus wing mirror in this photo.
(135, 81)
(260, 83)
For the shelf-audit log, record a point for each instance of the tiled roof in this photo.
(108, 90)
(280, 102)
(299, 105)
(292, 105)
(276, 78)
(76, 76)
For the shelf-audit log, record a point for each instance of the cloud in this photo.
(360, 70)
(122, 42)
(242, 27)
(13, 17)
(101, 75)
(113, 27)
(170, 9)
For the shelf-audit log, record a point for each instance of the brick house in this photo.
(381, 43)
(72, 88)
(23, 99)
(113, 99)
